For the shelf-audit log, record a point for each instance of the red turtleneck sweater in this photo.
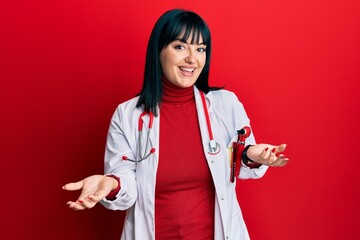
(185, 194)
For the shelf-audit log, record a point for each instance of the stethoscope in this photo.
(214, 147)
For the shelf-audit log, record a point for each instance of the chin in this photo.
(186, 85)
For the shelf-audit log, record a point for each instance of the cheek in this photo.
(167, 63)
(163, 64)
(165, 69)
(203, 61)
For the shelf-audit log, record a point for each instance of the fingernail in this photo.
(266, 149)
(80, 201)
(273, 150)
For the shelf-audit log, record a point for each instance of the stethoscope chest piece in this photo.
(214, 147)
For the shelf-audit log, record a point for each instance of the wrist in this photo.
(115, 189)
(246, 160)
(244, 157)
(115, 181)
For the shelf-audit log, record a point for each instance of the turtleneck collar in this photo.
(173, 94)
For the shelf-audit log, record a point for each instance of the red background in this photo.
(65, 65)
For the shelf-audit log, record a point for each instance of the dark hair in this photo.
(172, 25)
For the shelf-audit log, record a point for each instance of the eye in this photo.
(179, 47)
(201, 49)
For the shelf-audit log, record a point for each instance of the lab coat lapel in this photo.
(217, 163)
(214, 161)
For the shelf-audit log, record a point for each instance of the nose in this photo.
(190, 58)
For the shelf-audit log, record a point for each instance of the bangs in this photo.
(186, 27)
(192, 32)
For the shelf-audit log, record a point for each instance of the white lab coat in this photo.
(137, 193)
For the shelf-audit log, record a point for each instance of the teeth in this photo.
(187, 69)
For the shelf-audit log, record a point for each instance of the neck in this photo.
(173, 94)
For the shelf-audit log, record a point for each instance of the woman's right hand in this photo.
(93, 189)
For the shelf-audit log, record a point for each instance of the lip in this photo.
(187, 71)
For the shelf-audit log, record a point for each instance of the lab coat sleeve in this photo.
(245, 171)
(117, 145)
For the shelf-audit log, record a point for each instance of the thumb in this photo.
(73, 186)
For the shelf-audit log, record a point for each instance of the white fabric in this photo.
(138, 180)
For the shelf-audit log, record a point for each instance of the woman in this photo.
(167, 158)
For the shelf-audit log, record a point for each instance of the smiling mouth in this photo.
(187, 70)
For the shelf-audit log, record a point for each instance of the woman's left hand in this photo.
(267, 154)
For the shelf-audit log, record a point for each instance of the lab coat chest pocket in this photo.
(221, 161)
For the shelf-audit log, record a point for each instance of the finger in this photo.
(280, 161)
(264, 157)
(275, 163)
(97, 196)
(73, 186)
(284, 162)
(94, 197)
(75, 205)
(87, 203)
(281, 147)
(272, 157)
(274, 150)
(264, 153)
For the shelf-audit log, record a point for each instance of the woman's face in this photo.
(182, 62)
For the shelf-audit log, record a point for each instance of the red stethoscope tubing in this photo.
(140, 128)
(140, 124)
(214, 146)
(211, 136)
